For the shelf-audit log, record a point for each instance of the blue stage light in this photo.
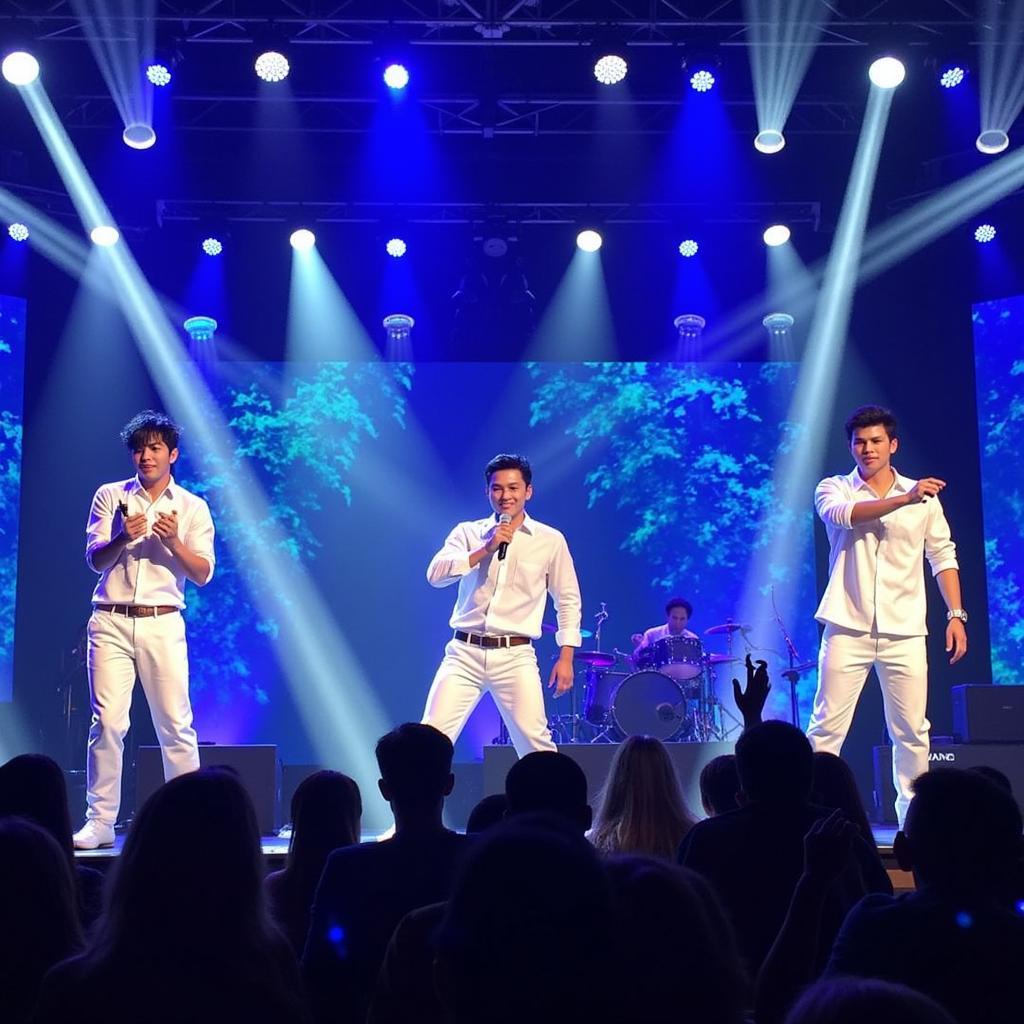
(984, 233)
(589, 241)
(610, 69)
(105, 235)
(139, 136)
(688, 247)
(212, 246)
(396, 76)
(887, 72)
(158, 74)
(395, 247)
(19, 232)
(272, 66)
(951, 76)
(777, 234)
(702, 81)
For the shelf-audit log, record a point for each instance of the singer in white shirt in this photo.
(502, 592)
(881, 527)
(145, 537)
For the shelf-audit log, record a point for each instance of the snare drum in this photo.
(681, 657)
(650, 703)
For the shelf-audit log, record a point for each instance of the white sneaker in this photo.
(93, 835)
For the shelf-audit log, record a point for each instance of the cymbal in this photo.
(596, 659)
(721, 659)
(725, 627)
(551, 627)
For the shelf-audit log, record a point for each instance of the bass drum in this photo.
(650, 704)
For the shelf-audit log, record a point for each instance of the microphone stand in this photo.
(794, 659)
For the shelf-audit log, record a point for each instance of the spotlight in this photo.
(589, 240)
(303, 239)
(20, 68)
(200, 328)
(984, 233)
(158, 74)
(992, 141)
(777, 234)
(688, 247)
(778, 323)
(887, 72)
(212, 246)
(702, 80)
(395, 247)
(104, 235)
(272, 66)
(771, 140)
(396, 76)
(610, 69)
(139, 136)
(19, 232)
(952, 75)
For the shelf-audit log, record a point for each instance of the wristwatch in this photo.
(957, 613)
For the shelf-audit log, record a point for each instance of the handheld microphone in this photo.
(503, 546)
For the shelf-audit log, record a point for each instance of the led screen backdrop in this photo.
(660, 475)
(999, 370)
(12, 374)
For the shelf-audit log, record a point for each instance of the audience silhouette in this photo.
(326, 812)
(641, 808)
(719, 785)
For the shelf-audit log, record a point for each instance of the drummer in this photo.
(677, 614)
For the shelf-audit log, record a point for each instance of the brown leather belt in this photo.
(491, 641)
(137, 611)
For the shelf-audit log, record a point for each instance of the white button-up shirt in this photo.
(876, 572)
(499, 598)
(146, 572)
(656, 633)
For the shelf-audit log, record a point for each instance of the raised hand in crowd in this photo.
(751, 701)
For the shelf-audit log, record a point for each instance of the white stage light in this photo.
(104, 235)
(139, 136)
(589, 241)
(303, 239)
(769, 141)
(777, 234)
(20, 68)
(887, 72)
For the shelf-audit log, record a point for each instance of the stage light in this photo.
(588, 240)
(200, 328)
(20, 68)
(777, 234)
(778, 323)
(984, 233)
(158, 74)
(395, 247)
(992, 141)
(951, 76)
(303, 240)
(702, 80)
(104, 235)
(272, 66)
(19, 232)
(610, 69)
(769, 141)
(139, 136)
(212, 246)
(887, 72)
(396, 76)
(688, 247)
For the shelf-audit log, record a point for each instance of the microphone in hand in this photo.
(503, 546)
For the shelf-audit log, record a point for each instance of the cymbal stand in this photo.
(574, 720)
(794, 659)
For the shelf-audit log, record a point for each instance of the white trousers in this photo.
(155, 649)
(844, 660)
(509, 673)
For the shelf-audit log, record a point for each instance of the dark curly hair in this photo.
(147, 424)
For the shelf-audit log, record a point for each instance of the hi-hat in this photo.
(720, 659)
(551, 627)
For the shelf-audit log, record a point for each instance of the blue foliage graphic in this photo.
(12, 372)
(999, 362)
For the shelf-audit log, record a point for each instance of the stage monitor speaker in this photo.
(985, 713)
(257, 766)
(1006, 757)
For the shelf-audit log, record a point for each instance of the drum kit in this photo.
(667, 690)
